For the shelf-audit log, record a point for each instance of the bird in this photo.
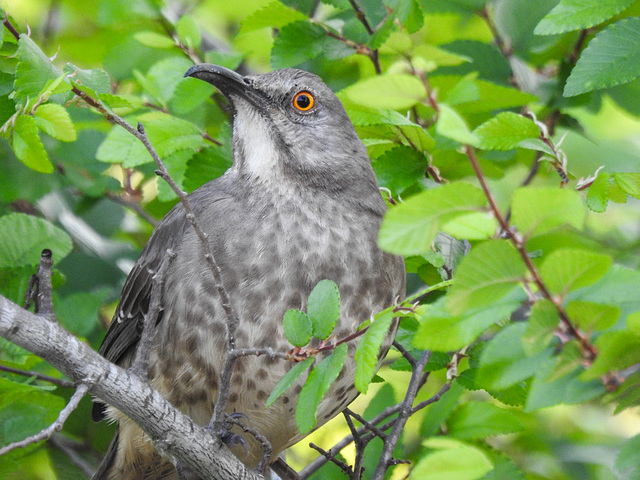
(298, 205)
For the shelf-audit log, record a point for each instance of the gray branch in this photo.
(172, 432)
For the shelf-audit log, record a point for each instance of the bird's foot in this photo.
(231, 439)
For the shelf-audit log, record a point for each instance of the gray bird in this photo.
(300, 204)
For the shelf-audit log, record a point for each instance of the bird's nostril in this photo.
(247, 81)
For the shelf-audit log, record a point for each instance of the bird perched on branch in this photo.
(300, 204)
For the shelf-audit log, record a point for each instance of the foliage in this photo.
(499, 127)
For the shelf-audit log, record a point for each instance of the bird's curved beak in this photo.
(230, 83)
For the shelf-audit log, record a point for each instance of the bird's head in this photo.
(288, 125)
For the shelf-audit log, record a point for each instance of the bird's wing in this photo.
(123, 334)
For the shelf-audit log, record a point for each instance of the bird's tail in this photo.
(105, 466)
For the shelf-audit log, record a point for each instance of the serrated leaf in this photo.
(163, 78)
(543, 321)
(536, 210)
(505, 131)
(442, 331)
(568, 389)
(411, 227)
(538, 145)
(33, 71)
(451, 460)
(393, 91)
(274, 15)
(609, 59)
(616, 351)
(288, 380)
(570, 15)
(399, 168)
(154, 40)
(567, 269)
(320, 380)
(369, 348)
(286, 52)
(451, 125)
(490, 96)
(504, 361)
(591, 316)
(23, 237)
(485, 275)
(190, 94)
(479, 420)
(166, 133)
(471, 226)
(598, 195)
(27, 146)
(188, 32)
(629, 182)
(297, 327)
(96, 79)
(55, 121)
(323, 308)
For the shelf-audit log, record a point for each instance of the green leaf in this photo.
(188, 32)
(451, 460)
(628, 456)
(274, 15)
(79, 312)
(166, 133)
(629, 182)
(154, 40)
(609, 59)
(451, 125)
(598, 195)
(543, 321)
(411, 227)
(394, 91)
(297, 327)
(400, 168)
(536, 210)
(33, 71)
(567, 269)
(504, 361)
(286, 51)
(55, 121)
(163, 78)
(23, 237)
(616, 351)
(571, 15)
(440, 330)
(368, 349)
(471, 226)
(486, 274)
(505, 131)
(190, 94)
(568, 389)
(320, 380)
(323, 308)
(95, 79)
(27, 146)
(591, 316)
(479, 420)
(289, 379)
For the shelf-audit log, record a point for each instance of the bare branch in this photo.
(66, 446)
(173, 432)
(54, 427)
(61, 382)
(404, 413)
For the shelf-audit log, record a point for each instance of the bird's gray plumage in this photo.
(300, 204)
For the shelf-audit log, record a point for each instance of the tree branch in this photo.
(172, 432)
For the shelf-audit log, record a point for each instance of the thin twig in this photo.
(267, 449)
(54, 427)
(134, 206)
(410, 358)
(404, 413)
(10, 27)
(331, 457)
(61, 382)
(66, 446)
(588, 350)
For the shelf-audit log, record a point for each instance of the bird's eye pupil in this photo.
(303, 101)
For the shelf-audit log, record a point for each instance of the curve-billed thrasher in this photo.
(300, 204)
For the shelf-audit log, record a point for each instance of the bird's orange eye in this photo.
(303, 101)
